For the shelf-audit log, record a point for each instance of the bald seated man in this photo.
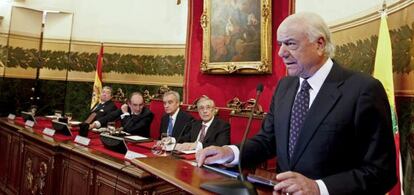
(135, 117)
(329, 127)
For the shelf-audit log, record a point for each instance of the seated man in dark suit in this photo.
(135, 117)
(210, 131)
(174, 120)
(104, 107)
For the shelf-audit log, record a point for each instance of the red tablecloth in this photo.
(95, 141)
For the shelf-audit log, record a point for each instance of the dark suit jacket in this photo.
(103, 110)
(218, 134)
(133, 124)
(182, 120)
(346, 139)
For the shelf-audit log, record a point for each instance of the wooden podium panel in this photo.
(183, 174)
(178, 172)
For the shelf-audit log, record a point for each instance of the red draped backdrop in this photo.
(222, 88)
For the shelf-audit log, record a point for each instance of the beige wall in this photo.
(127, 21)
(334, 11)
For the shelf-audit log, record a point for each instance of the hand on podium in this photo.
(293, 182)
(214, 155)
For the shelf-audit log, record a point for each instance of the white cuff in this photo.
(199, 146)
(236, 153)
(97, 124)
(322, 187)
(124, 115)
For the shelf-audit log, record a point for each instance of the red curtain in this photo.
(222, 88)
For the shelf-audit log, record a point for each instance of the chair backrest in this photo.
(193, 113)
(224, 114)
(118, 104)
(238, 125)
(157, 107)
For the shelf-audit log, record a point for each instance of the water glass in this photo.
(158, 148)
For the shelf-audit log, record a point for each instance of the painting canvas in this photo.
(237, 36)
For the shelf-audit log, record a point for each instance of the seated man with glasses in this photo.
(104, 107)
(210, 130)
(135, 117)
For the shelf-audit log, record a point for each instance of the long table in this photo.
(34, 163)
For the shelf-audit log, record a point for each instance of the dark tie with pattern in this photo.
(299, 110)
(202, 133)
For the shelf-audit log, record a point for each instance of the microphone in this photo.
(181, 134)
(259, 90)
(237, 186)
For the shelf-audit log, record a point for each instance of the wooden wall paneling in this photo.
(38, 169)
(77, 176)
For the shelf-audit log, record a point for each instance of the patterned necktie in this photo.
(202, 133)
(299, 110)
(170, 126)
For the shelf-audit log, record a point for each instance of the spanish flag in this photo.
(383, 72)
(97, 85)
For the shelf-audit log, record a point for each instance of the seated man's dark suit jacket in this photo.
(346, 140)
(133, 124)
(103, 110)
(218, 134)
(183, 119)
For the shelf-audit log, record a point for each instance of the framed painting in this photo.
(237, 37)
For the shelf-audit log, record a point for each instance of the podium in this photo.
(184, 174)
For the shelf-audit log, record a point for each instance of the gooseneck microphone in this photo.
(237, 186)
(188, 124)
(259, 90)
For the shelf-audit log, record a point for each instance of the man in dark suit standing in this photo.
(210, 131)
(330, 128)
(174, 120)
(135, 117)
(104, 107)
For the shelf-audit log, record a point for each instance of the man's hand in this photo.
(214, 155)
(295, 183)
(92, 125)
(124, 108)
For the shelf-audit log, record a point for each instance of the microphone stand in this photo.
(175, 154)
(241, 186)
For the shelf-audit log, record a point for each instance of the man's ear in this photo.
(321, 42)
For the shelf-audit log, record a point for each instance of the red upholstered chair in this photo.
(238, 125)
(193, 113)
(157, 107)
(118, 105)
(224, 114)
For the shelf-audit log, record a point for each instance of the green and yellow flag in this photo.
(383, 72)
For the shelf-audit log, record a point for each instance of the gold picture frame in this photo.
(237, 37)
